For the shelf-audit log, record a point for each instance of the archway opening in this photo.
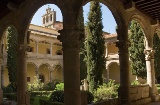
(31, 72)
(114, 72)
(44, 70)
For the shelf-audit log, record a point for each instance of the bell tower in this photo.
(49, 18)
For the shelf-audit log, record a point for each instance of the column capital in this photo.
(123, 46)
(149, 54)
(22, 50)
(71, 38)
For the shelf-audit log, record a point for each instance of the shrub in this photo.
(7, 90)
(41, 93)
(135, 82)
(106, 91)
(10, 96)
(60, 86)
(57, 96)
(36, 85)
(90, 97)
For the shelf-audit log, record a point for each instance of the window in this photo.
(48, 51)
(41, 77)
(47, 19)
(59, 52)
(30, 49)
(51, 17)
(44, 20)
(28, 79)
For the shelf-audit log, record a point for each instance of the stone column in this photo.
(36, 48)
(107, 79)
(2, 75)
(22, 94)
(51, 75)
(51, 49)
(124, 89)
(149, 57)
(71, 39)
(36, 71)
(106, 46)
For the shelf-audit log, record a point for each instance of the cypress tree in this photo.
(83, 69)
(95, 57)
(136, 50)
(156, 47)
(12, 55)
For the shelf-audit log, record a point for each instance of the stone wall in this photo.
(139, 94)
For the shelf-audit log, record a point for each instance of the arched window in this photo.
(41, 77)
(59, 52)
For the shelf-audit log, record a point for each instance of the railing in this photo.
(112, 56)
(31, 55)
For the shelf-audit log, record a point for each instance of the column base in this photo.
(25, 101)
(155, 98)
(1, 96)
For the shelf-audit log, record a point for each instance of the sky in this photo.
(107, 17)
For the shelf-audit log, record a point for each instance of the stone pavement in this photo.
(9, 102)
(154, 103)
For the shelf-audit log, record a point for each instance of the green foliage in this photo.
(136, 50)
(135, 82)
(83, 68)
(90, 97)
(12, 54)
(10, 96)
(106, 91)
(7, 90)
(36, 85)
(57, 96)
(59, 86)
(156, 47)
(41, 93)
(51, 85)
(95, 57)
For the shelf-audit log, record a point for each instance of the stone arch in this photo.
(31, 71)
(57, 72)
(44, 69)
(29, 12)
(140, 19)
(117, 11)
(114, 71)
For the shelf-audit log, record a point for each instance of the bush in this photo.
(10, 96)
(135, 82)
(60, 86)
(7, 90)
(36, 85)
(57, 96)
(106, 91)
(90, 97)
(41, 93)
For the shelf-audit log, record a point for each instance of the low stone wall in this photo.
(139, 95)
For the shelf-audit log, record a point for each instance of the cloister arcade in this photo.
(19, 13)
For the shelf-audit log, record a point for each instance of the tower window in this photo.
(44, 20)
(47, 19)
(50, 17)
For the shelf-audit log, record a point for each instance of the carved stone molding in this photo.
(149, 54)
(71, 38)
(123, 46)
